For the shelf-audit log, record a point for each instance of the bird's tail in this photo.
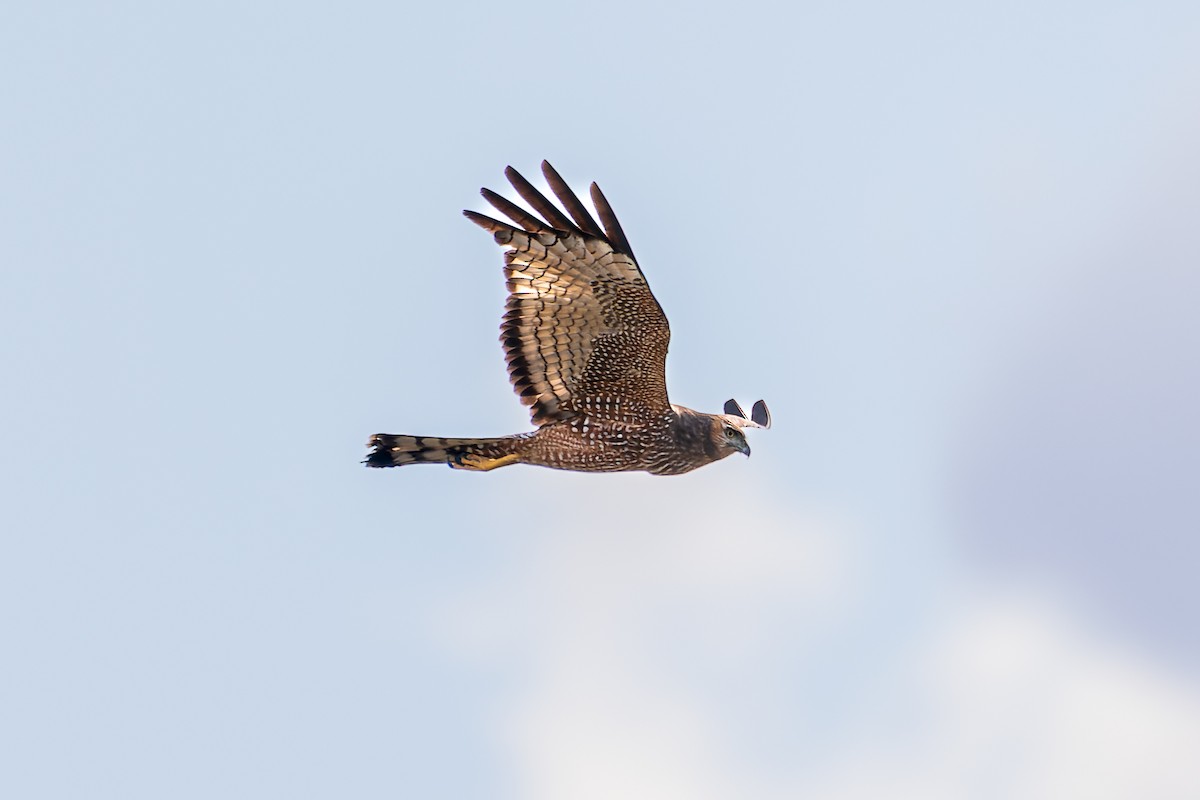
(390, 450)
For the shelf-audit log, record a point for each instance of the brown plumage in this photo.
(586, 347)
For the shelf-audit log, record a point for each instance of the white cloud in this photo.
(596, 729)
(1013, 696)
(675, 663)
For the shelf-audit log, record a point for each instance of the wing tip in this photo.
(608, 218)
(490, 225)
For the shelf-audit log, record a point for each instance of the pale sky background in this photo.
(955, 246)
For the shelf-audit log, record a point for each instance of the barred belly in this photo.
(588, 445)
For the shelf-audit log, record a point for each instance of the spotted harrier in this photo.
(586, 346)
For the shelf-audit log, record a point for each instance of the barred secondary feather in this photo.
(586, 346)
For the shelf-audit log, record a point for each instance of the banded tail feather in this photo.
(391, 450)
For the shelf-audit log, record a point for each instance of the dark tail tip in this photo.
(381, 452)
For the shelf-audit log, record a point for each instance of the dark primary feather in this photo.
(557, 219)
(513, 211)
(489, 224)
(570, 202)
(608, 218)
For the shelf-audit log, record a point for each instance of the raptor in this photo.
(586, 347)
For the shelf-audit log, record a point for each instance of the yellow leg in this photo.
(483, 463)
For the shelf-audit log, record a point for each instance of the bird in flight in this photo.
(586, 347)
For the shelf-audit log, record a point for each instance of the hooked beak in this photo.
(745, 448)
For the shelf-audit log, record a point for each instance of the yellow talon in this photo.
(483, 463)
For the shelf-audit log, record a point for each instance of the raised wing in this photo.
(582, 332)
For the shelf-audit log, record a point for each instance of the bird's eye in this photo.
(730, 431)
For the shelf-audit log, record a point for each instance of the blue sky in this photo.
(953, 247)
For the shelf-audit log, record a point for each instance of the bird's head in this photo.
(729, 428)
(727, 433)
